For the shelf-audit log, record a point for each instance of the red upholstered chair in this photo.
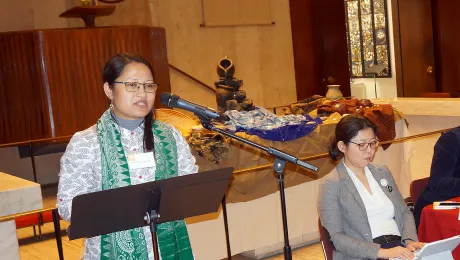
(47, 216)
(38, 218)
(35, 219)
(29, 221)
(326, 242)
(416, 187)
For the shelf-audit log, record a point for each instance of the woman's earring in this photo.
(111, 105)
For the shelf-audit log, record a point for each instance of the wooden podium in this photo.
(51, 80)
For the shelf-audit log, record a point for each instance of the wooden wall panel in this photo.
(75, 59)
(417, 53)
(396, 35)
(307, 48)
(331, 15)
(51, 80)
(446, 41)
(320, 46)
(23, 107)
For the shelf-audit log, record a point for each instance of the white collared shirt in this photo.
(379, 208)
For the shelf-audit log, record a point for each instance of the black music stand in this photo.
(151, 203)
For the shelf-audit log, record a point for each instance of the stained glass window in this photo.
(367, 35)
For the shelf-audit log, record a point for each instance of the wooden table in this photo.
(439, 224)
(16, 196)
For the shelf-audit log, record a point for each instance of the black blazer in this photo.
(444, 182)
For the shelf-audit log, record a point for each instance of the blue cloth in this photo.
(269, 126)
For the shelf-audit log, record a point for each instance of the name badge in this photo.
(140, 160)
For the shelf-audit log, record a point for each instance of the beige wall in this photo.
(128, 12)
(44, 14)
(420, 162)
(31, 14)
(262, 54)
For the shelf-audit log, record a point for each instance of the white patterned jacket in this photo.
(80, 173)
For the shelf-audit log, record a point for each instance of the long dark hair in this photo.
(347, 128)
(112, 70)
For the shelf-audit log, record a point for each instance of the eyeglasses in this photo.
(363, 146)
(134, 86)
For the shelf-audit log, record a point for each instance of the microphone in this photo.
(174, 101)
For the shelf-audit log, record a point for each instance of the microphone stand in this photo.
(278, 165)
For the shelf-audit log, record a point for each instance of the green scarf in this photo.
(173, 240)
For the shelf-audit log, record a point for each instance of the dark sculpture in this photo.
(228, 93)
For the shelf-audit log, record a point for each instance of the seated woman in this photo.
(104, 156)
(359, 203)
(444, 182)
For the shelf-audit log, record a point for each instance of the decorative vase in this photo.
(333, 92)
